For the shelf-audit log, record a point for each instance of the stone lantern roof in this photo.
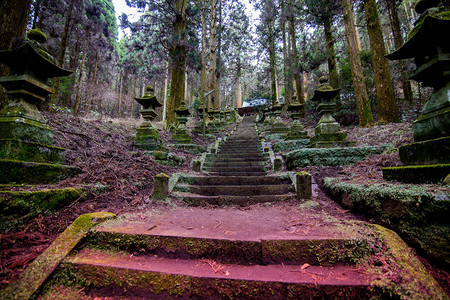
(324, 92)
(149, 99)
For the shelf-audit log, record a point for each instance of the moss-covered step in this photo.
(417, 174)
(167, 158)
(291, 145)
(420, 216)
(193, 148)
(43, 266)
(15, 171)
(436, 151)
(17, 207)
(180, 253)
(330, 156)
(30, 151)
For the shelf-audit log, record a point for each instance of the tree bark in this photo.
(91, 89)
(362, 98)
(166, 87)
(286, 57)
(178, 66)
(272, 62)
(398, 42)
(331, 55)
(76, 106)
(296, 71)
(204, 61)
(387, 106)
(213, 55)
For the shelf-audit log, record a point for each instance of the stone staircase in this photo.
(237, 174)
(276, 251)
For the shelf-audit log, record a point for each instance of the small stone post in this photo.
(161, 186)
(304, 185)
(197, 165)
(277, 164)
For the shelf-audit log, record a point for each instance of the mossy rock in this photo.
(16, 208)
(14, 171)
(417, 174)
(30, 151)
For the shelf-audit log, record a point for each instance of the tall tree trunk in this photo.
(286, 57)
(213, 55)
(387, 106)
(218, 58)
(331, 55)
(272, 62)
(296, 71)
(63, 47)
(398, 42)
(76, 106)
(91, 89)
(203, 75)
(166, 87)
(178, 66)
(362, 98)
(37, 10)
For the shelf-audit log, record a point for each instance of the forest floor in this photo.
(121, 180)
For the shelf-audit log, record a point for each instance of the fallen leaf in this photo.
(305, 266)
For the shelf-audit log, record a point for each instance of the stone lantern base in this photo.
(328, 134)
(147, 138)
(26, 151)
(296, 132)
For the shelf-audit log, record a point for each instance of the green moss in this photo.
(30, 151)
(417, 174)
(37, 35)
(16, 208)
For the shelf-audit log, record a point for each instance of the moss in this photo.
(41, 268)
(14, 171)
(30, 151)
(415, 213)
(37, 35)
(416, 282)
(17, 208)
(417, 174)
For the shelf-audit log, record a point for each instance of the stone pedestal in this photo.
(180, 134)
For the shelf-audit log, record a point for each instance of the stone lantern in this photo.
(278, 125)
(26, 151)
(428, 43)
(180, 134)
(199, 127)
(296, 131)
(147, 136)
(327, 132)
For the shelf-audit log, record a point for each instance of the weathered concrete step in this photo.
(192, 243)
(235, 159)
(197, 200)
(236, 180)
(240, 149)
(242, 173)
(236, 190)
(235, 169)
(136, 276)
(240, 152)
(220, 164)
(237, 155)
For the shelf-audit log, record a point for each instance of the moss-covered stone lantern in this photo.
(180, 134)
(147, 136)
(26, 151)
(327, 132)
(278, 125)
(199, 126)
(211, 124)
(296, 131)
(428, 43)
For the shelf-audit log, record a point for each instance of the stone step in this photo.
(235, 180)
(239, 152)
(242, 173)
(235, 190)
(197, 200)
(219, 164)
(108, 274)
(235, 159)
(235, 169)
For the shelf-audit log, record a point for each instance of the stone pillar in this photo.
(304, 186)
(161, 186)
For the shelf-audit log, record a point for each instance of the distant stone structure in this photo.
(147, 136)
(278, 125)
(26, 151)
(180, 136)
(296, 131)
(328, 132)
(428, 159)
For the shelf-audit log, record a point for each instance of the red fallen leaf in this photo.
(305, 266)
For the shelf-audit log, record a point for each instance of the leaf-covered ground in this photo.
(120, 179)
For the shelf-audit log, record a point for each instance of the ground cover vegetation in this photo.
(214, 54)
